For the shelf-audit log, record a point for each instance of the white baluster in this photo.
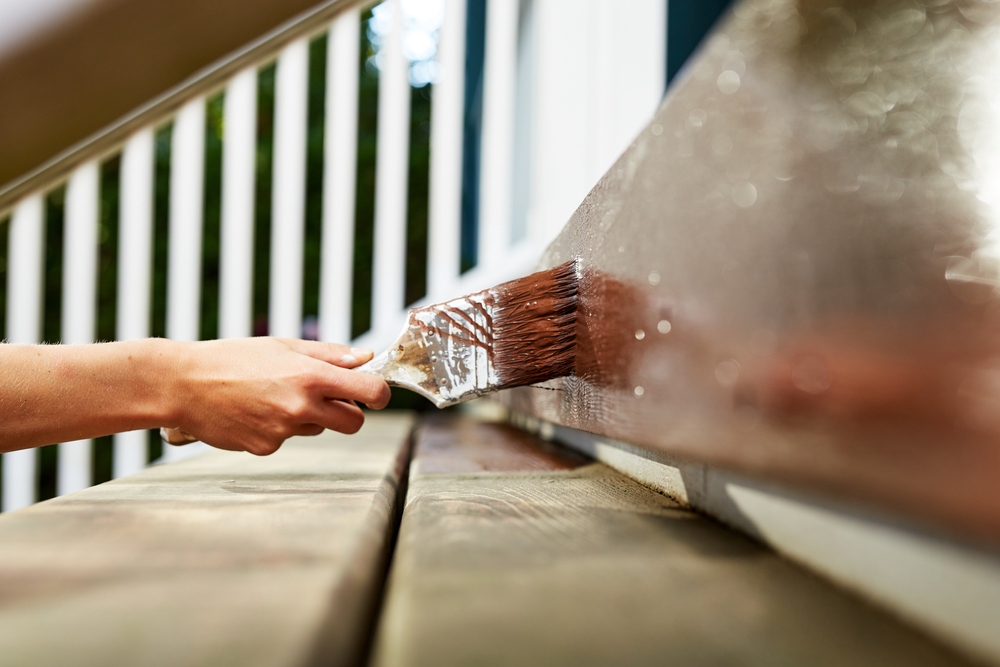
(522, 167)
(187, 169)
(239, 161)
(288, 212)
(24, 326)
(445, 192)
(135, 258)
(391, 171)
(79, 301)
(339, 178)
(495, 183)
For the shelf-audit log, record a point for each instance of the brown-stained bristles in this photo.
(534, 327)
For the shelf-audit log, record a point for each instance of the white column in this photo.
(135, 258)
(288, 212)
(239, 158)
(391, 171)
(187, 169)
(79, 301)
(445, 191)
(339, 178)
(499, 86)
(24, 326)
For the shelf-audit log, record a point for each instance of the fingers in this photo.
(368, 389)
(339, 416)
(309, 429)
(332, 353)
(364, 388)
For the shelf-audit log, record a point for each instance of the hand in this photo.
(253, 394)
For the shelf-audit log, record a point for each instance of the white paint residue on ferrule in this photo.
(459, 339)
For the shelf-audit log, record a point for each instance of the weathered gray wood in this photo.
(574, 564)
(948, 589)
(223, 559)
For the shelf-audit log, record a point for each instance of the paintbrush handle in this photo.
(176, 436)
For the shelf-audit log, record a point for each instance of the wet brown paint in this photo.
(837, 330)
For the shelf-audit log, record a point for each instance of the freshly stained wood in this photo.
(752, 300)
(574, 564)
(223, 559)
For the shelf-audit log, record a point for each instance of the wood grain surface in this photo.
(578, 565)
(779, 282)
(224, 559)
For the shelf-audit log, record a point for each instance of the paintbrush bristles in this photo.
(534, 327)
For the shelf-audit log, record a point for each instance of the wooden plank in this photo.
(221, 559)
(571, 563)
(950, 590)
(751, 299)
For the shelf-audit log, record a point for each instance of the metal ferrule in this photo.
(445, 352)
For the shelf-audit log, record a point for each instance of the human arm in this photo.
(248, 394)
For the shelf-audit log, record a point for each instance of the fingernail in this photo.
(362, 352)
(349, 359)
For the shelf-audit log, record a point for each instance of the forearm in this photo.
(247, 394)
(58, 393)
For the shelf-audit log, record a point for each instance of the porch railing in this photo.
(397, 31)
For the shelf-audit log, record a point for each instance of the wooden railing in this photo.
(507, 242)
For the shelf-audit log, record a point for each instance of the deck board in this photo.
(574, 564)
(222, 559)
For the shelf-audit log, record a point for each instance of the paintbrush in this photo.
(515, 334)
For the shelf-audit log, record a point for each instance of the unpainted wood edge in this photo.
(345, 640)
(206, 81)
(949, 589)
